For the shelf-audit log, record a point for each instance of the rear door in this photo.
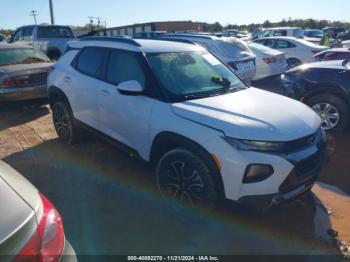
(123, 117)
(85, 80)
(286, 47)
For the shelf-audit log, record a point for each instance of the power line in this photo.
(34, 14)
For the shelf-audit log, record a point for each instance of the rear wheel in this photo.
(333, 111)
(184, 180)
(293, 62)
(67, 132)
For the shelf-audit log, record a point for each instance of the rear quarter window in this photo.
(90, 61)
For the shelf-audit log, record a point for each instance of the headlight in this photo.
(287, 79)
(251, 145)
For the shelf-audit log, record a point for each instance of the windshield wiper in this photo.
(223, 81)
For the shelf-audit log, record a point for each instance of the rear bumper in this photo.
(68, 253)
(23, 93)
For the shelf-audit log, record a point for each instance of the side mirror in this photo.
(131, 88)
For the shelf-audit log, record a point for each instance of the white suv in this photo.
(175, 105)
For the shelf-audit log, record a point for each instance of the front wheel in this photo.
(185, 180)
(67, 132)
(334, 111)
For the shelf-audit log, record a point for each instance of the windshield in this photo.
(21, 56)
(55, 32)
(192, 75)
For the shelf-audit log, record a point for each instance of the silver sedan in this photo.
(23, 72)
(30, 226)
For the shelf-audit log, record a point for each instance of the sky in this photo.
(15, 13)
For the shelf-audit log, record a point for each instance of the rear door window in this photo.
(90, 61)
(270, 43)
(283, 44)
(54, 32)
(280, 33)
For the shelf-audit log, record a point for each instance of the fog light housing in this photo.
(257, 173)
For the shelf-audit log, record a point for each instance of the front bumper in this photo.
(23, 93)
(300, 181)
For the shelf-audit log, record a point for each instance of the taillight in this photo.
(47, 243)
(269, 60)
(16, 81)
(50, 69)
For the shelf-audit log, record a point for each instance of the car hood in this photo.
(252, 114)
(336, 64)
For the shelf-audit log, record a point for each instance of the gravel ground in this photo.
(110, 206)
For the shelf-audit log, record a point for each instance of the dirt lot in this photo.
(109, 205)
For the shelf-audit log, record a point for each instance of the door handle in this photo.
(67, 79)
(105, 92)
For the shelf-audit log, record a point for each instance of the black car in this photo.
(325, 87)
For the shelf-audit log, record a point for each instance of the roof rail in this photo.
(179, 40)
(120, 39)
(189, 35)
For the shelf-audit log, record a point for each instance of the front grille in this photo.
(308, 165)
(38, 78)
(305, 172)
(302, 143)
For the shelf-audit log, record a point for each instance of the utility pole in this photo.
(91, 20)
(98, 22)
(51, 13)
(34, 13)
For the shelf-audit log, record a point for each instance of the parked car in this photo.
(344, 36)
(333, 31)
(346, 44)
(269, 62)
(30, 225)
(3, 38)
(235, 33)
(50, 39)
(325, 87)
(23, 72)
(281, 31)
(333, 54)
(298, 51)
(229, 50)
(313, 35)
(178, 107)
(151, 34)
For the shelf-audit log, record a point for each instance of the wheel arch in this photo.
(328, 90)
(56, 94)
(53, 52)
(166, 141)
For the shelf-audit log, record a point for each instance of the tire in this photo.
(293, 62)
(63, 121)
(185, 180)
(54, 54)
(329, 107)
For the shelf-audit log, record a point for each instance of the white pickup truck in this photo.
(50, 39)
